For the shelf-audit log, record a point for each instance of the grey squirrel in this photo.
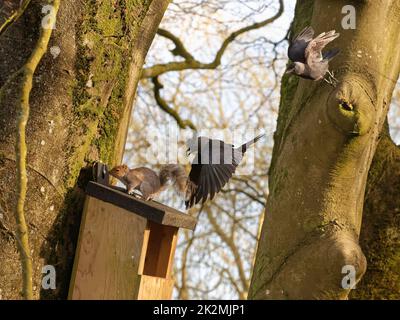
(148, 182)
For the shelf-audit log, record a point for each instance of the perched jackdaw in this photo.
(306, 54)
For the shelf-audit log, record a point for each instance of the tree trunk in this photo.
(324, 144)
(80, 104)
(380, 230)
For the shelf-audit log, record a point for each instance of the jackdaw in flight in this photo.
(214, 164)
(308, 61)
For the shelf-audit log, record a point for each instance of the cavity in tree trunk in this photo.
(324, 144)
(80, 107)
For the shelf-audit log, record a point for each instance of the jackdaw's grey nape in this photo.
(307, 58)
(214, 164)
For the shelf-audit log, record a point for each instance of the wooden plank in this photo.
(108, 253)
(150, 210)
(154, 288)
(172, 254)
(166, 251)
(146, 237)
(77, 250)
(160, 250)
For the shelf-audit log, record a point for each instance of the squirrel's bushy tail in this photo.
(174, 173)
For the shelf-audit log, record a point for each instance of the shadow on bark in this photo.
(59, 251)
(380, 231)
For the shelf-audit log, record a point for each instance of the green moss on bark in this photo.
(303, 15)
(102, 66)
(380, 231)
(104, 45)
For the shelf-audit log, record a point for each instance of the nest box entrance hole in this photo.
(158, 250)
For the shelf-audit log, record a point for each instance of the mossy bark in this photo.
(324, 144)
(380, 230)
(80, 108)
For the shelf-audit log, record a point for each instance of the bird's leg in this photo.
(330, 82)
(331, 79)
(332, 75)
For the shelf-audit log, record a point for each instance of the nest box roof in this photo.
(150, 210)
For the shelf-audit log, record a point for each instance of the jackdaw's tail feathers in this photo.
(175, 174)
(248, 144)
(329, 55)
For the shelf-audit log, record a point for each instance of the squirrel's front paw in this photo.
(134, 194)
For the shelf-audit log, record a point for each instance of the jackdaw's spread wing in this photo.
(313, 51)
(213, 166)
(296, 51)
(207, 180)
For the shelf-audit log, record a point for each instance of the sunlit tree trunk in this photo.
(80, 107)
(380, 230)
(324, 144)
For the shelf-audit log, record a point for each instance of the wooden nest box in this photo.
(126, 246)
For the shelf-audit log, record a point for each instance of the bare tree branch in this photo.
(232, 280)
(21, 151)
(179, 49)
(14, 17)
(164, 106)
(190, 62)
(183, 293)
(248, 194)
(232, 246)
(237, 221)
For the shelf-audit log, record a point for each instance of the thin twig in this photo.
(232, 246)
(164, 106)
(60, 193)
(248, 194)
(21, 151)
(14, 17)
(190, 62)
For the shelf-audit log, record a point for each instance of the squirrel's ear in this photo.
(124, 166)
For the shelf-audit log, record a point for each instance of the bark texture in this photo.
(324, 144)
(80, 108)
(380, 230)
